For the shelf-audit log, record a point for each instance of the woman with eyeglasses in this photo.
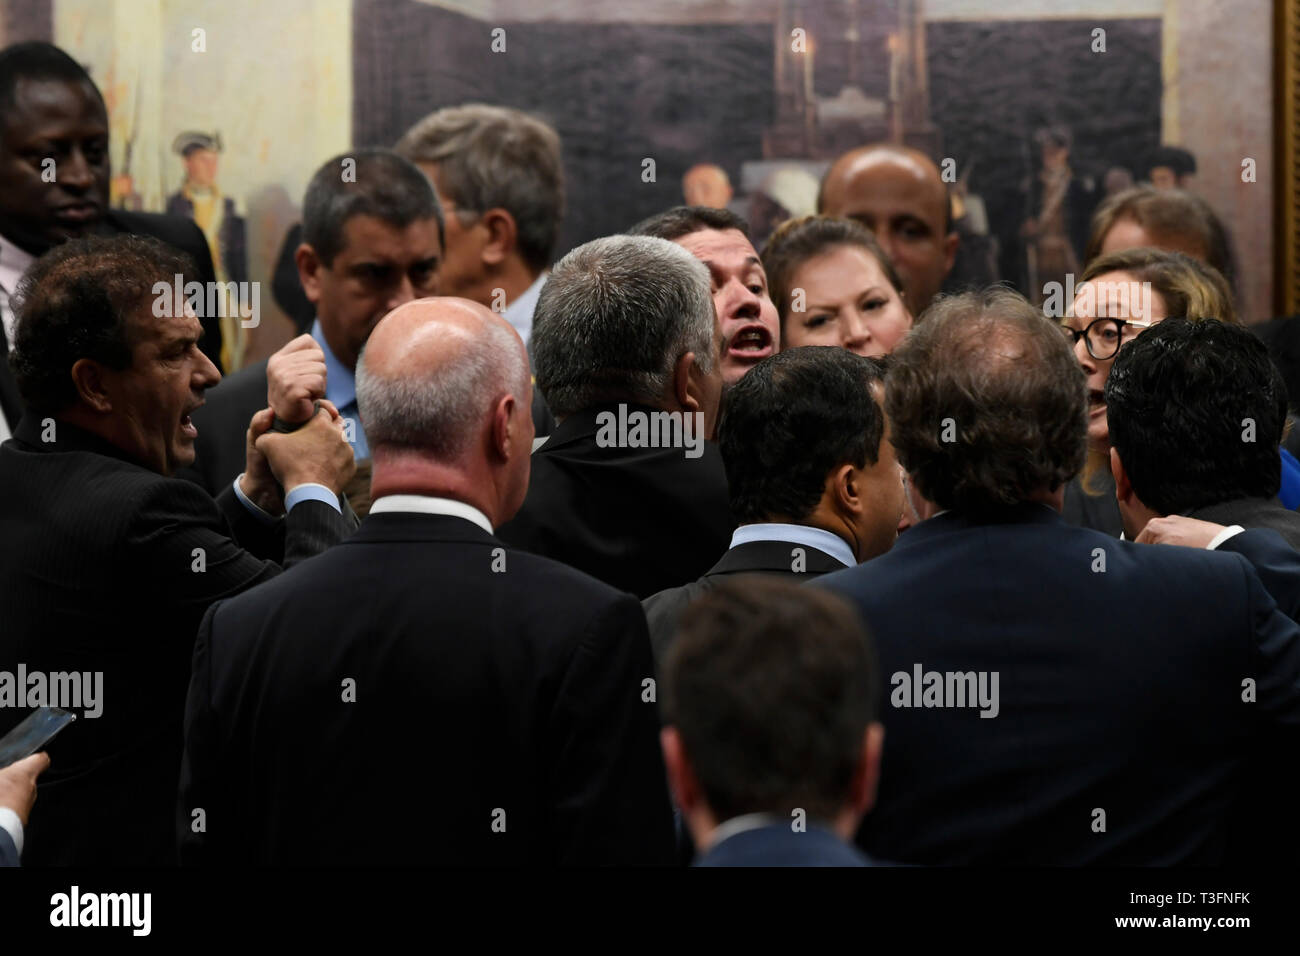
(1120, 295)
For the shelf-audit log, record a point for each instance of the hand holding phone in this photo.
(18, 784)
(36, 730)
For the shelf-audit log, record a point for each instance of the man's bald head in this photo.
(432, 373)
(707, 185)
(897, 193)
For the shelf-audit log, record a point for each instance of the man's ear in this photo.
(1123, 487)
(846, 489)
(309, 269)
(502, 236)
(950, 244)
(686, 386)
(866, 776)
(88, 376)
(681, 777)
(503, 416)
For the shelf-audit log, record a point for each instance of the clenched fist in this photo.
(295, 379)
(316, 453)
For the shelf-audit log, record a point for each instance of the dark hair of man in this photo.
(796, 241)
(365, 182)
(37, 61)
(793, 419)
(684, 220)
(771, 687)
(1167, 215)
(79, 301)
(1181, 399)
(986, 402)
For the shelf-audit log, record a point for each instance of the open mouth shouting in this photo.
(749, 344)
(188, 428)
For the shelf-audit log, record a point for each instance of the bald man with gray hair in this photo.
(626, 349)
(485, 705)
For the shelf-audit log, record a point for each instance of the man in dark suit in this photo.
(627, 488)
(522, 683)
(1058, 697)
(813, 478)
(17, 794)
(1197, 416)
(54, 162)
(108, 563)
(372, 240)
(771, 740)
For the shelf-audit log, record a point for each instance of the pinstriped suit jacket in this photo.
(106, 566)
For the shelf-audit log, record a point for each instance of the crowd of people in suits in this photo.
(950, 582)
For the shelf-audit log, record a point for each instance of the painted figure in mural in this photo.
(706, 184)
(200, 199)
(1058, 206)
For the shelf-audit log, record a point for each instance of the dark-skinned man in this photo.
(54, 163)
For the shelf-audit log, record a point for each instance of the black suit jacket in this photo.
(1275, 562)
(1254, 513)
(664, 610)
(491, 687)
(1119, 690)
(639, 519)
(184, 235)
(108, 567)
(8, 852)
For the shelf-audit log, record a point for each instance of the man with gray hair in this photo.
(518, 680)
(499, 174)
(626, 348)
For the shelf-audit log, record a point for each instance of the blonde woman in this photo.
(1120, 296)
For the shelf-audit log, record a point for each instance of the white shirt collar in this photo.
(802, 534)
(519, 313)
(746, 821)
(430, 505)
(14, 262)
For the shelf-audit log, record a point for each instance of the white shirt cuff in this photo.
(1224, 535)
(10, 823)
(261, 515)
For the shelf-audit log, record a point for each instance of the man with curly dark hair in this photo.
(109, 562)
